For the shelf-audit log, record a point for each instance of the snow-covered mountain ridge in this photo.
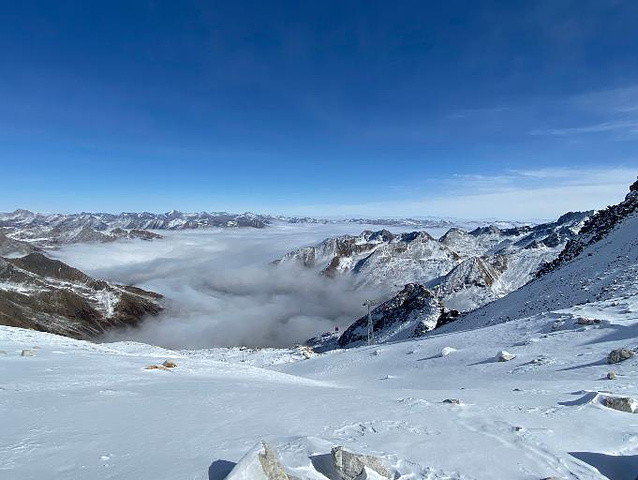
(465, 269)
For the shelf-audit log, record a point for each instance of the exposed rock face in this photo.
(619, 355)
(260, 463)
(10, 247)
(271, 465)
(47, 295)
(598, 264)
(350, 466)
(411, 313)
(622, 404)
(595, 229)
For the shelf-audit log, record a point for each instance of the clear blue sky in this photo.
(318, 107)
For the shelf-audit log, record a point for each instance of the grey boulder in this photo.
(352, 466)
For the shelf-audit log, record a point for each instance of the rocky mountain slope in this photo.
(598, 264)
(410, 313)
(44, 294)
(465, 269)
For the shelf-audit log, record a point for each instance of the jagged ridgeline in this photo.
(56, 229)
(463, 269)
(582, 257)
(594, 266)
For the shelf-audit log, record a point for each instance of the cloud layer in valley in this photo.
(221, 289)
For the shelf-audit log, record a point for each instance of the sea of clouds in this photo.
(221, 288)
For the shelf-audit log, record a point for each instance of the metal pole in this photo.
(368, 303)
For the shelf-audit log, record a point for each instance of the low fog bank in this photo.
(222, 290)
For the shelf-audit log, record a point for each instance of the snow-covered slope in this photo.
(81, 410)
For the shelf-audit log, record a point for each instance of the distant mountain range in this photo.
(47, 230)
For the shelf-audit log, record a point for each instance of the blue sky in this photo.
(515, 109)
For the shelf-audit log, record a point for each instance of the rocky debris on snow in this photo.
(351, 466)
(611, 376)
(445, 351)
(622, 404)
(305, 351)
(453, 401)
(325, 342)
(540, 360)
(44, 294)
(169, 364)
(3, 353)
(412, 312)
(587, 321)
(557, 325)
(504, 356)
(28, 353)
(157, 367)
(619, 355)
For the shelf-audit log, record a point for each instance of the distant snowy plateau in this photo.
(502, 352)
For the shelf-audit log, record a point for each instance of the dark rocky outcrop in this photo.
(595, 229)
(412, 312)
(44, 294)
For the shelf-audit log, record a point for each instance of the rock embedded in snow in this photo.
(504, 356)
(622, 404)
(351, 466)
(169, 364)
(306, 351)
(557, 324)
(587, 321)
(447, 351)
(272, 467)
(260, 463)
(3, 353)
(619, 355)
(27, 353)
(453, 401)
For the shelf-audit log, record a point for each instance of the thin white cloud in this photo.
(630, 126)
(514, 195)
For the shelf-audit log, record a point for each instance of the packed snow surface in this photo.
(92, 411)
